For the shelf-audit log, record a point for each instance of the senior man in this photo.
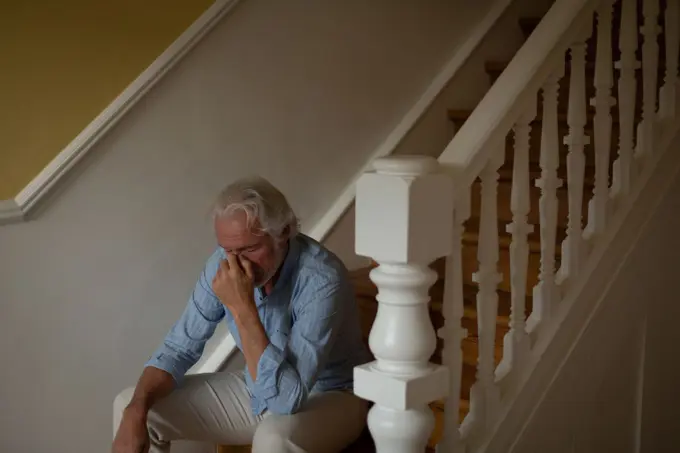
(291, 309)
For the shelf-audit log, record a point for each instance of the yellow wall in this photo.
(63, 61)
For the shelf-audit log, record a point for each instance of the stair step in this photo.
(471, 238)
(505, 175)
(469, 307)
(495, 68)
(438, 410)
(366, 293)
(470, 344)
(458, 117)
(529, 24)
(470, 265)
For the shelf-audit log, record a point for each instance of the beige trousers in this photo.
(215, 408)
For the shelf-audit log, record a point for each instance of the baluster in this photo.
(627, 65)
(403, 240)
(650, 67)
(576, 140)
(485, 394)
(452, 333)
(546, 294)
(669, 95)
(516, 343)
(603, 101)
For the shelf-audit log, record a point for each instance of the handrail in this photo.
(43, 184)
(472, 146)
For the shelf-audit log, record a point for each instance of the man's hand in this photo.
(233, 284)
(132, 435)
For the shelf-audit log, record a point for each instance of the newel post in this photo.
(404, 219)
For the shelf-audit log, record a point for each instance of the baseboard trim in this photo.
(10, 212)
(54, 172)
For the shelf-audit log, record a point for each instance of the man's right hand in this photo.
(132, 435)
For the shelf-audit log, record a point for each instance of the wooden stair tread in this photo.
(505, 215)
(366, 293)
(495, 68)
(505, 176)
(459, 116)
(498, 66)
(529, 24)
(471, 235)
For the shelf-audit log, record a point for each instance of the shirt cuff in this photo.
(267, 370)
(166, 363)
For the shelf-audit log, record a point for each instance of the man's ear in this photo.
(282, 239)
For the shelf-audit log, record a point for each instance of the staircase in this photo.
(366, 291)
(541, 180)
(596, 175)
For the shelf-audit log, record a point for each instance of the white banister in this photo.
(576, 140)
(668, 102)
(627, 65)
(485, 393)
(452, 333)
(546, 293)
(477, 152)
(404, 219)
(468, 152)
(650, 68)
(516, 343)
(603, 102)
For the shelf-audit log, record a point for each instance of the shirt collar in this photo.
(287, 268)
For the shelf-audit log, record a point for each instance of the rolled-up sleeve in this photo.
(184, 343)
(285, 377)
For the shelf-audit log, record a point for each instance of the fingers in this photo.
(247, 267)
(232, 262)
(233, 266)
(222, 269)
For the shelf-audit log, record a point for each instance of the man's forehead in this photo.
(233, 232)
(237, 223)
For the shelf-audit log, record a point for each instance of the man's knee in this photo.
(272, 435)
(119, 404)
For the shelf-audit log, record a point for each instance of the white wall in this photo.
(594, 403)
(299, 91)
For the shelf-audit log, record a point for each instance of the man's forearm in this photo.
(153, 385)
(253, 339)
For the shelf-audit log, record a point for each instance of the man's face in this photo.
(264, 252)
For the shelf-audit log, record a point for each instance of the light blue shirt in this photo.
(311, 318)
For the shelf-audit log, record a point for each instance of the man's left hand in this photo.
(233, 284)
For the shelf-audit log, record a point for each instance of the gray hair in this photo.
(260, 201)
